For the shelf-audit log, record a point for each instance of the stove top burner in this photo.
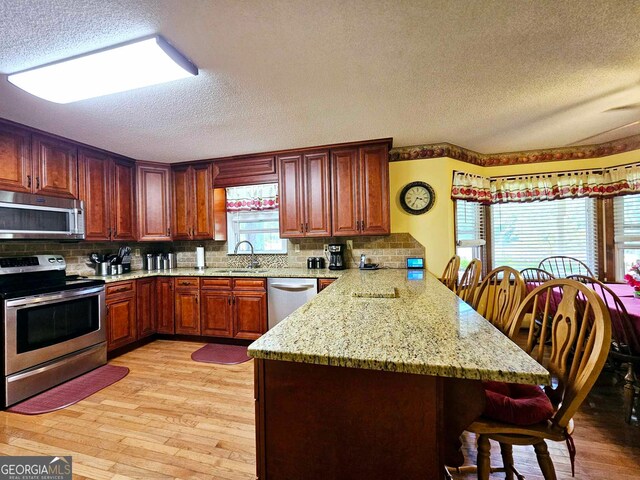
(38, 274)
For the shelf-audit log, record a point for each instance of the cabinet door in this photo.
(56, 167)
(164, 303)
(374, 190)
(121, 321)
(216, 314)
(181, 219)
(290, 186)
(15, 160)
(146, 307)
(202, 218)
(345, 216)
(317, 222)
(154, 215)
(324, 283)
(250, 314)
(187, 312)
(94, 173)
(123, 207)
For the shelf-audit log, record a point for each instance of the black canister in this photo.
(319, 262)
(312, 262)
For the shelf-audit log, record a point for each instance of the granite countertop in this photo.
(426, 329)
(225, 272)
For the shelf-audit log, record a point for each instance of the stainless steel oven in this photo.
(52, 332)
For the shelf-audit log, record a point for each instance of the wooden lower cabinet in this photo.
(233, 307)
(121, 314)
(324, 283)
(164, 302)
(250, 314)
(187, 306)
(216, 313)
(146, 307)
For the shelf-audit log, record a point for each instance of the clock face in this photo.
(417, 198)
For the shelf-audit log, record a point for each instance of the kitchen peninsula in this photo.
(359, 385)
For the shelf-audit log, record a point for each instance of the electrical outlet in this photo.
(325, 247)
(296, 248)
(136, 252)
(350, 244)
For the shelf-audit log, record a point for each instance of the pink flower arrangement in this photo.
(633, 277)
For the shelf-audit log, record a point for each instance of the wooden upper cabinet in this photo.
(95, 191)
(317, 221)
(345, 199)
(249, 170)
(193, 195)
(304, 195)
(360, 186)
(202, 218)
(181, 214)
(290, 192)
(374, 188)
(15, 160)
(123, 218)
(154, 204)
(55, 167)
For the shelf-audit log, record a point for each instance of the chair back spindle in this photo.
(498, 296)
(450, 274)
(469, 281)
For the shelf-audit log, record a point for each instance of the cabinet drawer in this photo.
(187, 282)
(249, 283)
(119, 288)
(216, 283)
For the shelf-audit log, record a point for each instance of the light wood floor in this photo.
(175, 418)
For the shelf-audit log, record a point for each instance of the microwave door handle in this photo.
(75, 221)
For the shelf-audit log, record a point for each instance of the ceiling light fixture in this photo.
(136, 64)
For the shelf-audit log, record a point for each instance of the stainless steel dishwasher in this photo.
(287, 295)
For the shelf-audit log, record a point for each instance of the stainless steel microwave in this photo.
(25, 215)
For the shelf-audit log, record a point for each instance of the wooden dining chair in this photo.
(469, 282)
(533, 278)
(580, 339)
(625, 345)
(561, 267)
(498, 296)
(450, 274)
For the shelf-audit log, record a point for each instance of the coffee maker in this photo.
(336, 256)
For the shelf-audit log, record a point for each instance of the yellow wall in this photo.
(435, 229)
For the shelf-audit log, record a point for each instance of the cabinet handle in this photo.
(306, 226)
(196, 300)
(185, 283)
(168, 231)
(362, 225)
(302, 228)
(28, 181)
(233, 300)
(229, 300)
(37, 183)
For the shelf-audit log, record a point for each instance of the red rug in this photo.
(71, 392)
(219, 353)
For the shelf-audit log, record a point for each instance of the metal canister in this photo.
(173, 260)
(150, 262)
(158, 261)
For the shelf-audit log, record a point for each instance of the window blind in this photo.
(525, 233)
(626, 220)
(470, 232)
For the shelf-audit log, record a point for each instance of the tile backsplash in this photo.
(389, 251)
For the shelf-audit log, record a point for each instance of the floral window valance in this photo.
(252, 198)
(548, 186)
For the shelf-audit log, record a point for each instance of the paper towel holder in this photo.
(200, 263)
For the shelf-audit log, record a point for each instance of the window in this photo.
(252, 214)
(626, 218)
(470, 233)
(522, 234)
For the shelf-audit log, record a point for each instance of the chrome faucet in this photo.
(254, 260)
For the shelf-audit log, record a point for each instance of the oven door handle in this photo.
(54, 297)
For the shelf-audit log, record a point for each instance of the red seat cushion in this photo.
(516, 403)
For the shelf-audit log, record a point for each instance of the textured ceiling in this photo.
(491, 76)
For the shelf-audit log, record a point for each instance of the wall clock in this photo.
(417, 198)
